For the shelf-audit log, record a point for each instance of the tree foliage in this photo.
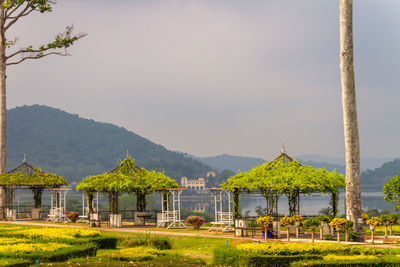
(391, 189)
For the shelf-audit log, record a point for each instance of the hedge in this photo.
(268, 260)
(56, 256)
(313, 249)
(382, 261)
(14, 262)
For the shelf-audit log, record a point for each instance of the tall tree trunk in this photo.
(3, 108)
(351, 138)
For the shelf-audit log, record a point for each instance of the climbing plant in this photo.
(285, 176)
(126, 178)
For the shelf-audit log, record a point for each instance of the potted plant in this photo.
(324, 227)
(266, 224)
(343, 224)
(72, 215)
(297, 218)
(364, 217)
(312, 223)
(287, 221)
(373, 223)
(195, 221)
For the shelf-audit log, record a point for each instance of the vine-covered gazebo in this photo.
(126, 178)
(25, 176)
(285, 176)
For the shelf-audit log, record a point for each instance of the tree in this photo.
(11, 12)
(391, 189)
(351, 137)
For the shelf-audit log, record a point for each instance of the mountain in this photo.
(233, 163)
(329, 166)
(74, 147)
(366, 162)
(373, 180)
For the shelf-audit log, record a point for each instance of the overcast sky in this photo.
(220, 76)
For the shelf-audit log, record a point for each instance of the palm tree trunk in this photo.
(3, 109)
(351, 137)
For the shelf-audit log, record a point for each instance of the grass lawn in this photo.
(185, 250)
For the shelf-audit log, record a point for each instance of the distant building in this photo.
(211, 174)
(198, 184)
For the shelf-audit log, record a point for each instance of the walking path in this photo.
(154, 231)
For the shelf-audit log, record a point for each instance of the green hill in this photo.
(373, 180)
(74, 147)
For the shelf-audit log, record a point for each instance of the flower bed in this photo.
(54, 233)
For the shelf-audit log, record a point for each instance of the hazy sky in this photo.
(220, 76)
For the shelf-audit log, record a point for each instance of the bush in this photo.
(267, 260)
(161, 242)
(136, 254)
(146, 239)
(104, 242)
(226, 256)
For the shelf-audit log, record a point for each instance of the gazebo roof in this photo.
(25, 175)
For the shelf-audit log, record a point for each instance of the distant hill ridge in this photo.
(73, 147)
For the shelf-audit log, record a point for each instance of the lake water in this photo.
(309, 204)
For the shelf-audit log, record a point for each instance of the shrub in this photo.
(161, 242)
(104, 242)
(136, 254)
(226, 256)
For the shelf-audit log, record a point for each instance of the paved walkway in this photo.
(154, 231)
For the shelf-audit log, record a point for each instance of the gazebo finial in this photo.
(283, 150)
(24, 158)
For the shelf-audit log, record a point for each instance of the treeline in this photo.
(74, 147)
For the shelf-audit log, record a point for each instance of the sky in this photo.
(210, 77)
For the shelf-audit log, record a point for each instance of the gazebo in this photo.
(284, 176)
(126, 178)
(25, 176)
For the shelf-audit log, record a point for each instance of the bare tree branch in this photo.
(9, 12)
(24, 10)
(37, 57)
(23, 15)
